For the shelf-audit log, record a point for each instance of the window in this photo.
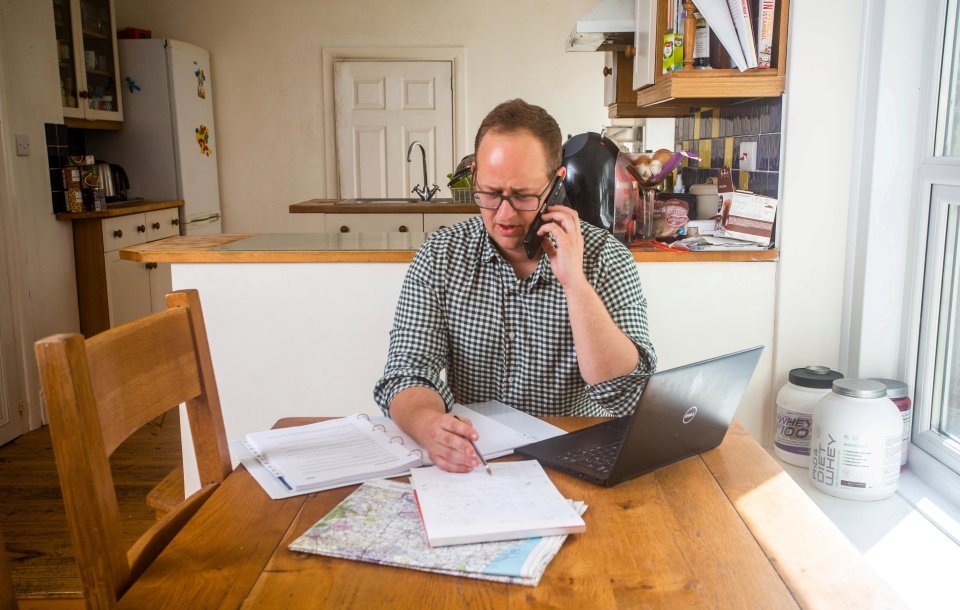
(937, 393)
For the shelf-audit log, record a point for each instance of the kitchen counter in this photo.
(335, 206)
(296, 325)
(122, 209)
(350, 248)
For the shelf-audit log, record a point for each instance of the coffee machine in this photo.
(598, 185)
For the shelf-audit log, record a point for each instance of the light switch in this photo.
(23, 145)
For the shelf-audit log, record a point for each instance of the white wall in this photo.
(41, 264)
(266, 65)
(816, 162)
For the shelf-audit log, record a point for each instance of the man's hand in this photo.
(420, 412)
(566, 257)
(445, 439)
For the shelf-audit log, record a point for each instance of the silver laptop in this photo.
(683, 412)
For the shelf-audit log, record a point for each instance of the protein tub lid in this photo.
(821, 377)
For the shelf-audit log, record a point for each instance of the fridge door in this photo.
(192, 102)
(203, 224)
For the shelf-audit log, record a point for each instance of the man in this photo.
(564, 333)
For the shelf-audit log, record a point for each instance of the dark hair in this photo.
(517, 115)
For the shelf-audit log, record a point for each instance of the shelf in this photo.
(709, 87)
(95, 34)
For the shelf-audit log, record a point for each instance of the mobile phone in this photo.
(556, 195)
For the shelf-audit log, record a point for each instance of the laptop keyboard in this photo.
(599, 458)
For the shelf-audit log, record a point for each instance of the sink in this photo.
(388, 201)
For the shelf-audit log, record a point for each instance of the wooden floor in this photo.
(31, 507)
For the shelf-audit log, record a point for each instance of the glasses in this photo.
(520, 203)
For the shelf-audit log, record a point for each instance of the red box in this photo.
(134, 33)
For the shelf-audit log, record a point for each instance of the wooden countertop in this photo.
(122, 209)
(330, 206)
(202, 249)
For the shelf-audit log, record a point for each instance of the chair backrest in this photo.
(101, 390)
(8, 597)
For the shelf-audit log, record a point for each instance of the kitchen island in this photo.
(299, 324)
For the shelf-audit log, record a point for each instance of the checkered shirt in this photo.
(463, 310)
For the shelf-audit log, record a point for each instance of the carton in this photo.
(749, 217)
(72, 189)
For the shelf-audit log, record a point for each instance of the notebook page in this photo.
(517, 501)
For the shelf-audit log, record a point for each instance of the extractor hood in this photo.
(609, 26)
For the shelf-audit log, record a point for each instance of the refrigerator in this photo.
(168, 141)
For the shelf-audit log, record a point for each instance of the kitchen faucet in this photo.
(425, 194)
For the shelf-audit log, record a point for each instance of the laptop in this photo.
(682, 412)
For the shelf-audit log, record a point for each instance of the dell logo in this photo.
(689, 415)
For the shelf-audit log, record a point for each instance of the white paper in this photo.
(517, 501)
(718, 18)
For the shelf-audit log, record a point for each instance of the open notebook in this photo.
(344, 451)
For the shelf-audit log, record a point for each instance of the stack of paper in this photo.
(517, 501)
(379, 523)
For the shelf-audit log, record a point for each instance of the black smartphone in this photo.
(556, 195)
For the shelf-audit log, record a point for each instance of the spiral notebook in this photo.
(331, 454)
(292, 461)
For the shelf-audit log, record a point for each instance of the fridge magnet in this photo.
(201, 78)
(203, 139)
(132, 85)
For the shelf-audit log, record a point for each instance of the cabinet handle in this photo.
(175, 222)
(630, 51)
(344, 229)
(118, 233)
(607, 71)
(403, 229)
(442, 227)
(150, 265)
(156, 226)
(141, 228)
(82, 95)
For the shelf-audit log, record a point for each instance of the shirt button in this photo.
(511, 335)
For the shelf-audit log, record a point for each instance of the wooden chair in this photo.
(98, 392)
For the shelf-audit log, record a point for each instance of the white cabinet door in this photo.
(432, 222)
(374, 223)
(128, 288)
(160, 285)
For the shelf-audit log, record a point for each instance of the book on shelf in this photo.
(740, 13)
(764, 16)
(379, 523)
(349, 450)
(518, 500)
(717, 14)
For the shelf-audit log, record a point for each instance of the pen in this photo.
(477, 451)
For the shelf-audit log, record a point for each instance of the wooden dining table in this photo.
(725, 529)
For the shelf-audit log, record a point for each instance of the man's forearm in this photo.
(411, 408)
(604, 352)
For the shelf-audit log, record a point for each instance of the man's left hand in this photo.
(566, 257)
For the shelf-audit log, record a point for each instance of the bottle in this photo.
(855, 445)
(701, 43)
(795, 403)
(678, 183)
(898, 393)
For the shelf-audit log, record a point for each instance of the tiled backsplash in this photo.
(61, 143)
(715, 136)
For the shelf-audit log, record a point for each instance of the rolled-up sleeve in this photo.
(418, 340)
(618, 285)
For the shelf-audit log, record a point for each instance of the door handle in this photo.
(156, 226)
(118, 233)
(344, 229)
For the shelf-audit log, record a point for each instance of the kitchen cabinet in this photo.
(678, 93)
(88, 63)
(110, 290)
(373, 223)
(434, 222)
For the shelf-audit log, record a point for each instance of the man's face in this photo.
(510, 163)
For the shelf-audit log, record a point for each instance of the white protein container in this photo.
(855, 445)
(795, 403)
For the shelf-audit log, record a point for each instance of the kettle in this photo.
(113, 180)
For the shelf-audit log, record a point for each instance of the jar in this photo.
(855, 445)
(897, 392)
(708, 199)
(795, 403)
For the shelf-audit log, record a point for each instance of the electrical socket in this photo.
(23, 145)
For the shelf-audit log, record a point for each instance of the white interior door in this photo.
(383, 106)
(11, 420)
